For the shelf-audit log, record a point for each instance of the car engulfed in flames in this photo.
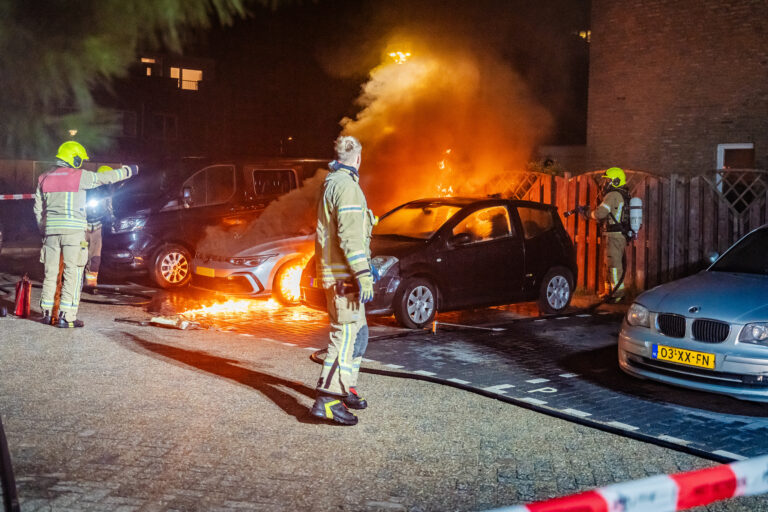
(270, 268)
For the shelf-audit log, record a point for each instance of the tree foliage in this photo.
(53, 53)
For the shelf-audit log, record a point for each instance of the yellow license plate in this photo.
(205, 271)
(682, 356)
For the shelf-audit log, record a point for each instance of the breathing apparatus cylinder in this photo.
(635, 214)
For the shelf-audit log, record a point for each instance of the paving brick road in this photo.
(123, 417)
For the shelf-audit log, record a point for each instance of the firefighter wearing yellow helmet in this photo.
(60, 211)
(613, 211)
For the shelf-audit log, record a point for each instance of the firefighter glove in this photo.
(365, 283)
(132, 169)
(375, 274)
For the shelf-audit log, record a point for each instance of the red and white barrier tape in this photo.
(5, 197)
(664, 493)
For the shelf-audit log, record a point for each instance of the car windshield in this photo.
(749, 256)
(419, 220)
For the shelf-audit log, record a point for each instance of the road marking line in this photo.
(395, 366)
(425, 372)
(675, 440)
(568, 375)
(576, 412)
(289, 344)
(541, 320)
(499, 388)
(249, 335)
(459, 381)
(366, 360)
(310, 348)
(537, 381)
(729, 454)
(533, 401)
(622, 426)
(562, 318)
(584, 315)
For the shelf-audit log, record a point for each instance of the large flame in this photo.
(230, 308)
(290, 279)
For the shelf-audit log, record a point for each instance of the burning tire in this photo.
(415, 303)
(172, 268)
(286, 287)
(556, 290)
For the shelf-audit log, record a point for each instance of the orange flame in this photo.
(290, 279)
(230, 308)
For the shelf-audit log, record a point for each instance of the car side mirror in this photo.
(186, 196)
(460, 239)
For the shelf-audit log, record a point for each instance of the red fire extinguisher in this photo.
(23, 297)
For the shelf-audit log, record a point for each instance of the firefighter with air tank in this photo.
(613, 211)
(60, 211)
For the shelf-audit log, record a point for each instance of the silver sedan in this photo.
(273, 267)
(708, 331)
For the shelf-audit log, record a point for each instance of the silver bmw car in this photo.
(708, 331)
(273, 267)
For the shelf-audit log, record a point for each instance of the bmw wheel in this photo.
(415, 303)
(172, 267)
(556, 290)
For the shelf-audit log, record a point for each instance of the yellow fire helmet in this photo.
(73, 153)
(616, 175)
(104, 168)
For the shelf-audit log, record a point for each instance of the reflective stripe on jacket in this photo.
(343, 229)
(60, 203)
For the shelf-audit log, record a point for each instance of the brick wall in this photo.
(672, 79)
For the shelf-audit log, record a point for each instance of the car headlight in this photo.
(638, 315)
(754, 333)
(383, 263)
(251, 261)
(129, 224)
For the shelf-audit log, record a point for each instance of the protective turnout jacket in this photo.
(60, 199)
(343, 229)
(615, 205)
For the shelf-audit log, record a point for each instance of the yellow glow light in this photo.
(400, 57)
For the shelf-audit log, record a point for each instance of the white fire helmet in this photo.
(347, 149)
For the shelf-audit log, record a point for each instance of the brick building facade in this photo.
(678, 85)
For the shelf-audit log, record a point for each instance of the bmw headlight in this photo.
(756, 333)
(251, 261)
(638, 315)
(383, 263)
(128, 224)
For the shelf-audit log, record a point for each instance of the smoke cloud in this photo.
(447, 121)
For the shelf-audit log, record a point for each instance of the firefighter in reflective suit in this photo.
(343, 266)
(61, 217)
(98, 207)
(613, 211)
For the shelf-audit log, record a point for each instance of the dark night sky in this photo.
(298, 70)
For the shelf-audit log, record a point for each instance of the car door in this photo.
(210, 191)
(483, 258)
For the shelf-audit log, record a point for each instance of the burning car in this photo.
(708, 331)
(273, 267)
(456, 253)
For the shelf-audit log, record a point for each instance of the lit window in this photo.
(147, 60)
(149, 71)
(190, 78)
(175, 73)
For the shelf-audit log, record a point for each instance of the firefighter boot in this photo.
(355, 401)
(46, 317)
(332, 408)
(65, 324)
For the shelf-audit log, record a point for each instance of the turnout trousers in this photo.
(348, 341)
(614, 245)
(93, 237)
(74, 249)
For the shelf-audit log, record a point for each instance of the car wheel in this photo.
(286, 287)
(415, 303)
(556, 290)
(172, 267)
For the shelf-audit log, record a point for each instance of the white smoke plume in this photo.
(444, 122)
(292, 214)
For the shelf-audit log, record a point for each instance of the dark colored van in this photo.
(160, 216)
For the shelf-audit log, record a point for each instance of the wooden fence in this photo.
(686, 218)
